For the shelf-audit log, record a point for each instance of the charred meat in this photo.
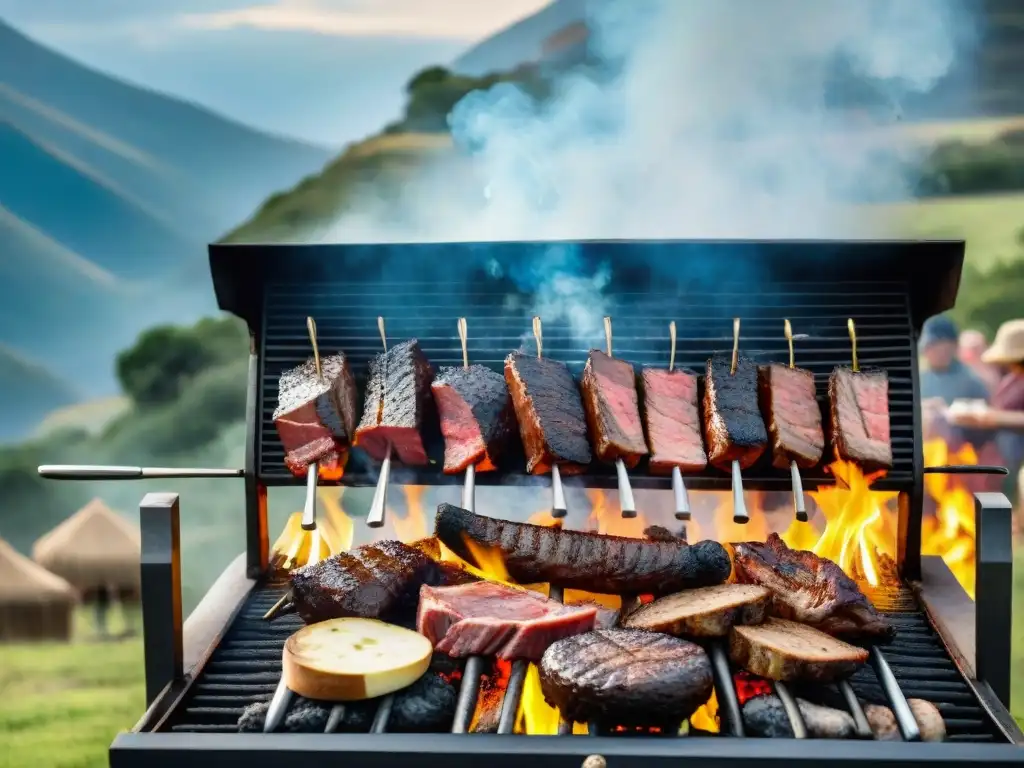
(398, 406)
(810, 589)
(626, 677)
(733, 427)
(610, 401)
(316, 417)
(583, 560)
(704, 612)
(550, 414)
(789, 651)
(488, 619)
(790, 409)
(477, 419)
(672, 421)
(859, 403)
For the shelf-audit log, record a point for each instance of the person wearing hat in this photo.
(1007, 405)
(944, 378)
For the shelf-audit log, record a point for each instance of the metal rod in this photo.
(626, 502)
(513, 695)
(278, 707)
(629, 604)
(564, 727)
(897, 701)
(681, 496)
(469, 489)
(468, 691)
(853, 705)
(380, 496)
(556, 593)
(275, 609)
(967, 469)
(796, 718)
(558, 507)
(380, 720)
(104, 472)
(739, 506)
(309, 511)
(725, 689)
(799, 503)
(335, 719)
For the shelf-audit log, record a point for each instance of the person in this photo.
(971, 347)
(945, 379)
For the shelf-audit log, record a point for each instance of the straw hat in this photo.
(1008, 346)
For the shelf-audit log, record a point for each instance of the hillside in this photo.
(36, 390)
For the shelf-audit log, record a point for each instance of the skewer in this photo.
(626, 502)
(106, 472)
(799, 503)
(853, 343)
(278, 707)
(375, 519)
(558, 506)
(469, 483)
(682, 498)
(796, 718)
(276, 608)
(739, 506)
(313, 470)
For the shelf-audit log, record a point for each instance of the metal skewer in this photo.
(626, 502)
(739, 506)
(309, 510)
(558, 506)
(682, 498)
(105, 472)
(799, 503)
(469, 483)
(375, 519)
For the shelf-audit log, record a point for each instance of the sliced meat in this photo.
(626, 677)
(488, 619)
(704, 612)
(788, 651)
(766, 717)
(398, 406)
(373, 581)
(810, 589)
(550, 414)
(592, 562)
(885, 727)
(733, 427)
(789, 405)
(672, 421)
(477, 419)
(859, 403)
(612, 407)
(324, 451)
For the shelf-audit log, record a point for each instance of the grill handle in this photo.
(104, 472)
(966, 469)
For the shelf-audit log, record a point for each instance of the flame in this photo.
(412, 526)
(296, 547)
(950, 533)
(606, 518)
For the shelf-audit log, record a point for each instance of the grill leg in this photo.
(161, 592)
(993, 589)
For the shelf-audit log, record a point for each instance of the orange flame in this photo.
(950, 533)
(296, 547)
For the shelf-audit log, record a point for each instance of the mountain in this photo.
(35, 390)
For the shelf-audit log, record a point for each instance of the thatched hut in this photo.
(34, 603)
(95, 549)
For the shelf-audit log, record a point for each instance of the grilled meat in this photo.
(790, 409)
(733, 427)
(859, 402)
(610, 401)
(330, 458)
(550, 414)
(316, 417)
(626, 677)
(672, 421)
(488, 619)
(785, 650)
(809, 589)
(765, 716)
(477, 419)
(399, 405)
(581, 560)
(374, 581)
(704, 612)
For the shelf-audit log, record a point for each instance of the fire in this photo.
(296, 547)
(950, 533)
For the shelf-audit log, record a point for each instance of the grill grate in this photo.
(246, 667)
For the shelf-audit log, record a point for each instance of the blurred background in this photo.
(134, 134)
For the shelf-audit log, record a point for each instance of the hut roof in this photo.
(93, 548)
(22, 581)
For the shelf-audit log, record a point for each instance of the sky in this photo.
(328, 71)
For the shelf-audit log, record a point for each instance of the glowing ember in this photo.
(950, 532)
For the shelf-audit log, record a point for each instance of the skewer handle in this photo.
(380, 496)
(739, 506)
(103, 472)
(469, 489)
(625, 490)
(558, 507)
(682, 497)
(309, 511)
(799, 504)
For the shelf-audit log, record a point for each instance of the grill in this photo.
(200, 678)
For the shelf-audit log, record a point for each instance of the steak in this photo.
(610, 401)
(704, 612)
(626, 677)
(672, 421)
(587, 561)
(398, 404)
(766, 717)
(859, 403)
(788, 651)
(790, 408)
(477, 419)
(809, 589)
(374, 581)
(550, 414)
(316, 417)
(488, 619)
(733, 427)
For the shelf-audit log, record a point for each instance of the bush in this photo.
(961, 168)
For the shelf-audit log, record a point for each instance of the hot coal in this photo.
(612, 407)
(733, 427)
(477, 418)
(859, 404)
(672, 421)
(764, 716)
(790, 408)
